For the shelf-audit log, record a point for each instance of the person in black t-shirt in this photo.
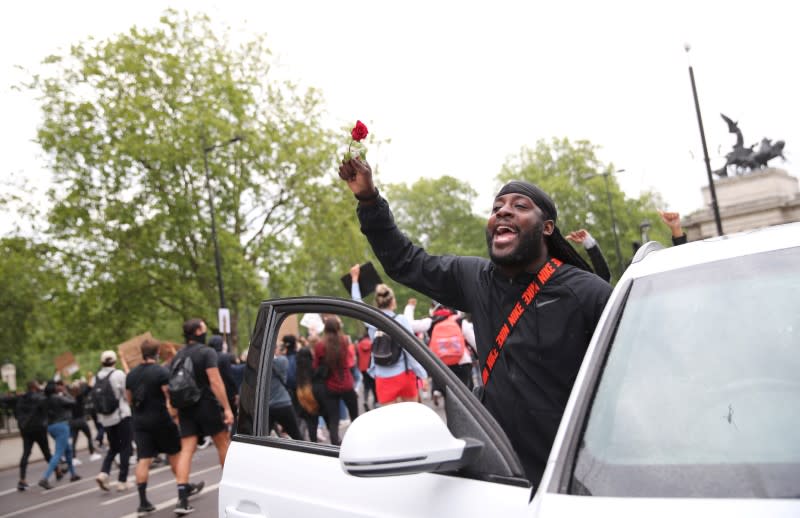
(211, 415)
(153, 427)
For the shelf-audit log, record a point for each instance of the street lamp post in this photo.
(712, 191)
(613, 219)
(217, 258)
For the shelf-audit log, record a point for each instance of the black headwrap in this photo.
(557, 246)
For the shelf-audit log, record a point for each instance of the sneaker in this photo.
(196, 488)
(145, 509)
(22, 485)
(45, 484)
(59, 473)
(102, 481)
(183, 508)
(123, 486)
(206, 443)
(76, 462)
(95, 456)
(74, 478)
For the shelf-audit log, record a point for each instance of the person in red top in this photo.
(333, 359)
(364, 352)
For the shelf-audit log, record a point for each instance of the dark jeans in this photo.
(80, 425)
(369, 386)
(28, 439)
(331, 404)
(119, 441)
(285, 417)
(99, 428)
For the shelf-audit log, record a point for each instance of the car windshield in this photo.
(700, 393)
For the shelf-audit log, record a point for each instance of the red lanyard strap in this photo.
(533, 289)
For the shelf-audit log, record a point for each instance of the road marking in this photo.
(50, 502)
(8, 491)
(72, 485)
(168, 482)
(170, 502)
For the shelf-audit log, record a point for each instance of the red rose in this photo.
(359, 132)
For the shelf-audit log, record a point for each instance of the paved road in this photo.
(84, 499)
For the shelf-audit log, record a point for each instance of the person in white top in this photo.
(117, 425)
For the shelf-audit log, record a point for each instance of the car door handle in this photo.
(232, 512)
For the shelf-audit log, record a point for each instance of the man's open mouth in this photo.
(504, 234)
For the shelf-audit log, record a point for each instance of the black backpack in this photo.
(104, 399)
(385, 351)
(183, 389)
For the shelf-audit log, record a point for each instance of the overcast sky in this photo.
(460, 86)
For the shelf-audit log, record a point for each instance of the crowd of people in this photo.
(162, 409)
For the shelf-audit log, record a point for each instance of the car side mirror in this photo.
(401, 439)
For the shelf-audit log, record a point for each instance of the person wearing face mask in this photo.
(534, 303)
(210, 415)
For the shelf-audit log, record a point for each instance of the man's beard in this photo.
(528, 248)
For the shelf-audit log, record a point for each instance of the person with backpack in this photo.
(31, 415)
(449, 338)
(196, 389)
(394, 370)
(114, 413)
(59, 411)
(155, 432)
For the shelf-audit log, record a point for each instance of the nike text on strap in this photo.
(544, 275)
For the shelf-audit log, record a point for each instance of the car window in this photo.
(699, 393)
(328, 378)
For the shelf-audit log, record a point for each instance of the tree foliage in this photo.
(127, 125)
(35, 306)
(573, 176)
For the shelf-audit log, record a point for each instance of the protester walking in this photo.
(395, 375)
(31, 415)
(78, 424)
(333, 359)
(154, 427)
(204, 409)
(59, 412)
(114, 413)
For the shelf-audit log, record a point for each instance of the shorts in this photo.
(201, 419)
(151, 441)
(403, 385)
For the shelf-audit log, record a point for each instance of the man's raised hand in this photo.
(358, 175)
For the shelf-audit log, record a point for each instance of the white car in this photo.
(687, 404)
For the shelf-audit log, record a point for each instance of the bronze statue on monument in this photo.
(744, 159)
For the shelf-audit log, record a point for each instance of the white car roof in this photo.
(765, 239)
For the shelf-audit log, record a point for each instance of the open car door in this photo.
(405, 459)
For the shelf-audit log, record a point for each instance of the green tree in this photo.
(437, 215)
(126, 125)
(35, 304)
(571, 174)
